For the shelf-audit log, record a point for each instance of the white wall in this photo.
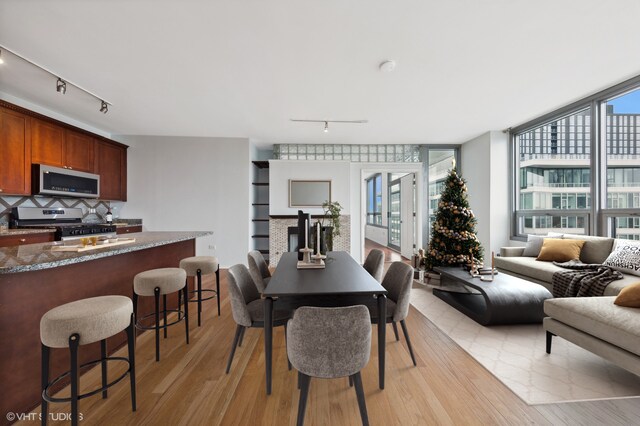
(376, 234)
(187, 183)
(485, 167)
(280, 171)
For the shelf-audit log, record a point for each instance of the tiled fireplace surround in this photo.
(278, 236)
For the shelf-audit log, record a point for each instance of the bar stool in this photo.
(80, 323)
(197, 266)
(156, 282)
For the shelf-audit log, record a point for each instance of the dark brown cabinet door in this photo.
(112, 167)
(18, 240)
(78, 151)
(47, 142)
(15, 153)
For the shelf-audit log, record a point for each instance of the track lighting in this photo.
(326, 127)
(61, 83)
(61, 86)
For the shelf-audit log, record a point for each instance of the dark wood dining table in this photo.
(343, 282)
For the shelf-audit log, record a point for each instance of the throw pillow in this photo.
(558, 250)
(629, 296)
(534, 243)
(625, 257)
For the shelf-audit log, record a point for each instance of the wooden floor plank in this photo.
(189, 386)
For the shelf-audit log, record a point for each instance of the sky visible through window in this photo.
(626, 104)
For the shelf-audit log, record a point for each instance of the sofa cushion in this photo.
(534, 243)
(557, 250)
(595, 249)
(614, 288)
(625, 257)
(599, 317)
(629, 296)
(528, 267)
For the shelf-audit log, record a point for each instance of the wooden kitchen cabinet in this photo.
(15, 153)
(111, 165)
(56, 146)
(21, 239)
(128, 229)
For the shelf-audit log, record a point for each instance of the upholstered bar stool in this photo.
(157, 282)
(197, 266)
(80, 323)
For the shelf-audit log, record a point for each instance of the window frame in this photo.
(376, 181)
(599, 216)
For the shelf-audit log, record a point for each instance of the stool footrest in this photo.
(139, 326)
(49, 398)
(204, 298)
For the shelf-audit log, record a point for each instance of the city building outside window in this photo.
(560, 188)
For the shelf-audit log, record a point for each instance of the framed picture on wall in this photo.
(309, 193)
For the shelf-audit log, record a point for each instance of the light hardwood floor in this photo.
(188, 385)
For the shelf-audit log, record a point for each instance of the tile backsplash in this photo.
(7, 202)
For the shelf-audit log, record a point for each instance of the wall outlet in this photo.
(212, 247)
(92, 210)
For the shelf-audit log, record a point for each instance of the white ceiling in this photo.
(243, 68)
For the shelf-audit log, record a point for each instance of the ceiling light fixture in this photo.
(326, 122)
(61, 84)
(387, 66)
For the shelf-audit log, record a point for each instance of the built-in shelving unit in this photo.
(260, 207)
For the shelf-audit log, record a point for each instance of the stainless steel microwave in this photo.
(48, 180)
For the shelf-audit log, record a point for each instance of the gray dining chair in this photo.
(258, 269)
(247, 307)
(374, 264)
(329, 343)
(398, 282)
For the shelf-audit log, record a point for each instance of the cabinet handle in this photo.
(22, 240)
(70, 168)
(0, 189)
(64, 167)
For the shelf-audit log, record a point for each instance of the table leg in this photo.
(268, 339)
(382, 335)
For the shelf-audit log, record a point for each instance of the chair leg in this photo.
(156, 294)
(299, 373)
(186, 311)
(286, 348)
(406, 336)
(131, 346)
(199, 287)
(549, 338)
(233, 346)
(180, 303)
(357, 378)
(395, 330)
(241, 337)
(304, 392)
(103, 355)
(45, 383)
(350, 381)
(218, 288)
(74, 342)
(164, 313)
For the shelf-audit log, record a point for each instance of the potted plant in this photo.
(332, 214)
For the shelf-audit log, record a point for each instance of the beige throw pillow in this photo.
(629, 296)
(557, 250)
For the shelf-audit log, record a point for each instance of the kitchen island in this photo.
(35, 279)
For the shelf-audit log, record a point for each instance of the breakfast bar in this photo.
(34, 279)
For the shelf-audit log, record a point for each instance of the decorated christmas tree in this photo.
(453, 233)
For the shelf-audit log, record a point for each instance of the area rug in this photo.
(516, 355)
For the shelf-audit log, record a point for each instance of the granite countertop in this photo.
(12, 232)
(33, 257)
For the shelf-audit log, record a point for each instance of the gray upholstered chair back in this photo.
(242, 291)
(329, 342)
(398, 282)
(374, 264)
(258, 269)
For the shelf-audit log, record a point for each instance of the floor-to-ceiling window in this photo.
(374, 200)
(578, 171)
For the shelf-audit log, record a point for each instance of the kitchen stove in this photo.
(66, 221)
